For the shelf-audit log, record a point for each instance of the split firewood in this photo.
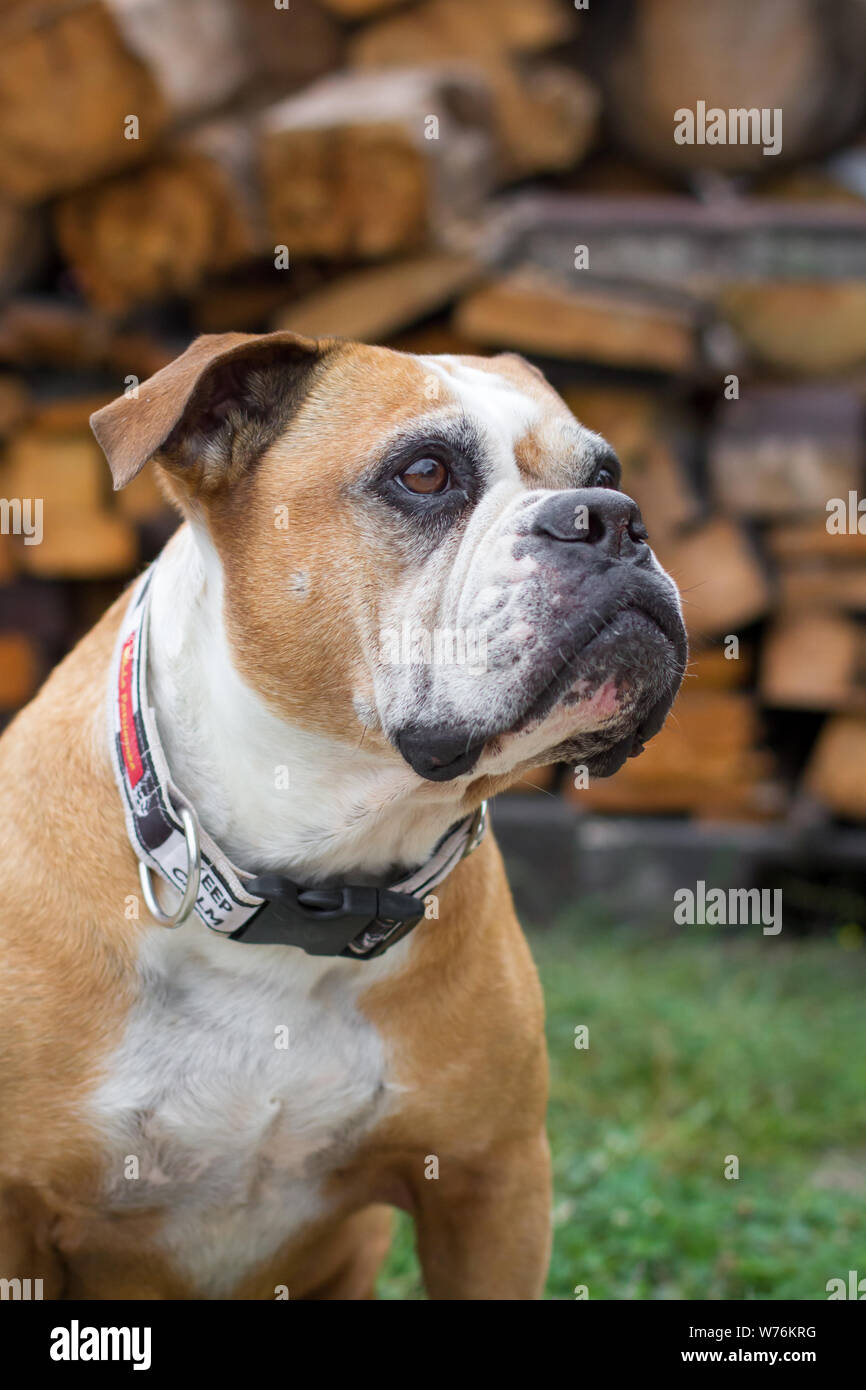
(546, 116)
(669, 56)
(372, 305)
(250, 296)
(722, 580)
(695, 250)
(835, 770)
(659, 484)
(81, 544)
(158, 231)
(545, 113)
(538, 313)
(60, 471)
(365, 165)
(821, 585)
(628, 418)
(785, 450)
(90, 86)
(799, 541)
(810, 327)
(65, 470)
(56, 458)
(45, 332)
(814, 661)
(819, 568)
(443, 29)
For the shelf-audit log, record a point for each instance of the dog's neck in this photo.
(272, 796)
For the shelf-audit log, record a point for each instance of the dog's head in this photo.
(429, 553)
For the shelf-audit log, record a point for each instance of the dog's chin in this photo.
(597, 708)
(600, 711)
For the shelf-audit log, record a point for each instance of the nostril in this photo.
(603, 518)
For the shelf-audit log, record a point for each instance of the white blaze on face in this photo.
(488, 603)
(428, 603)
(501, 411)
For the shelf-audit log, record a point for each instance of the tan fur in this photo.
(66, 955)
(464, 1019)
(359, 397)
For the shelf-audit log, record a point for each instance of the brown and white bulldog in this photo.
(190, 1114)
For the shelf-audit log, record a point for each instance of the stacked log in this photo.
(158, 232)
(471, 176)
(545, 113)
(128, 69)
(416, 136)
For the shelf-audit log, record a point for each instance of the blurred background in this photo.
(478, 175)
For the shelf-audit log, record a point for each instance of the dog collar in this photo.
(269, 909)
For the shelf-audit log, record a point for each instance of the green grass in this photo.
(701, 1045)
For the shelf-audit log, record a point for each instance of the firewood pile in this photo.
(472, 176)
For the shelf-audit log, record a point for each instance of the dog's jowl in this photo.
(261, 977)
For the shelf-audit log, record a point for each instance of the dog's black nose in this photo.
(596, 516)
(440, 755)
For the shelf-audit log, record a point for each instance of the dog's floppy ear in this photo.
(211, 411)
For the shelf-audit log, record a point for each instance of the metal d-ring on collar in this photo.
(193, 876)
(477, 827)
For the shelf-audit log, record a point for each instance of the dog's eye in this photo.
(425, 475)
(604, 478)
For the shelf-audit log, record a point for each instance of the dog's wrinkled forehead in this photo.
(372, 411)
(371, 403)
(522, 426)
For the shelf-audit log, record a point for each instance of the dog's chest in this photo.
(244, 1075)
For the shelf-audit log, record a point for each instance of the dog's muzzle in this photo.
(603, 611)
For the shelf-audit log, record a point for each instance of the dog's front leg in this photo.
(483, 1226)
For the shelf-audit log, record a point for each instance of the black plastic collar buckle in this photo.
(344, 921)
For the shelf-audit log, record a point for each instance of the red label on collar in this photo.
(128, 736)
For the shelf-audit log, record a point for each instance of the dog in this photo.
(261, 977)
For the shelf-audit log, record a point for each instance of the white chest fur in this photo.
(245, 1073)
